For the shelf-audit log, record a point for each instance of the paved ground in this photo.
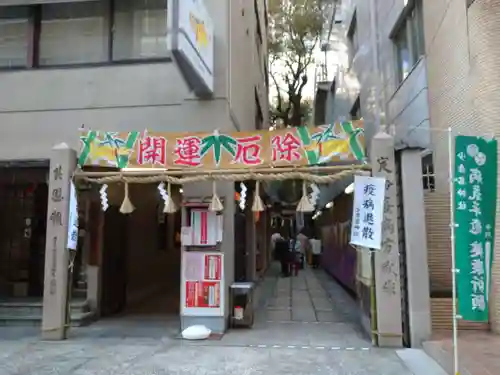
(298, 330)
(479, 352)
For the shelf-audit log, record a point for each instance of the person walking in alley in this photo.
(296, 257)
(302, 246)
(276, 236)
(316, 251)
(282, 255)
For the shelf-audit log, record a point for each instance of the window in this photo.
(428, 176)
(14, 36)
(356, 110)
(88, 32)
(417, 31)
(403, 53)
(352, 36)
(140, 29)
(409, 41)
(73, 33)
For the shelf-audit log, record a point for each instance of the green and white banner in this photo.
(475, 207)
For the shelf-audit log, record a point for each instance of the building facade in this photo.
(375, 68)
(462, 55)
(158, 65)
(416, 69)
(107, 65)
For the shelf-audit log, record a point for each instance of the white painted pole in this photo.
(454, 270)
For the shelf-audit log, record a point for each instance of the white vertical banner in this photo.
(72, 219)
(368, 211)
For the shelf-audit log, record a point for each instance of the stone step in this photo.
(27, 313)
(79, 293)
(81, 284)
(77, 320)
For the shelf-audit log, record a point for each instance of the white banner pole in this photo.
(454, 270)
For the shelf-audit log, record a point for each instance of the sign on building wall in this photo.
(202, 280)
(368, 211)
(204, 227)
(280, 148)
(475, 208)
(192, 43)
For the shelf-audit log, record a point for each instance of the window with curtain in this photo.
(74, 33)
(14, 36)
(140, 29)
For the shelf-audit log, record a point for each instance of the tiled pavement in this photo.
(299, 329)
(479, 352)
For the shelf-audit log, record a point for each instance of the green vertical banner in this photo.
(475, 186)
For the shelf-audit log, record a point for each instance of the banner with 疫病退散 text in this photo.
(475, 190)
(300, 146)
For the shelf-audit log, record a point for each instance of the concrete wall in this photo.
(408, 110)
(42, 107)
(246, 62)
(402, 105)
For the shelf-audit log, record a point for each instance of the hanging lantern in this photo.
(258, 205)
(215, 204)
(127, 207)
(305, 204)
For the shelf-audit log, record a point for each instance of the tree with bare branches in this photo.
(294, 33)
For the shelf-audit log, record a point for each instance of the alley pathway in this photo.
(304, 325)
(305, 311)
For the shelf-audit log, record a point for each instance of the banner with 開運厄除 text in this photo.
(299, 146)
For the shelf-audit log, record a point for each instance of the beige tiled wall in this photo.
(484, 31)
(448, 68)
(463, 61)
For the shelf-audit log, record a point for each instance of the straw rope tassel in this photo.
(216, 204)
(170, 206)
(257, 205)
(127, 207)
(305, 204)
